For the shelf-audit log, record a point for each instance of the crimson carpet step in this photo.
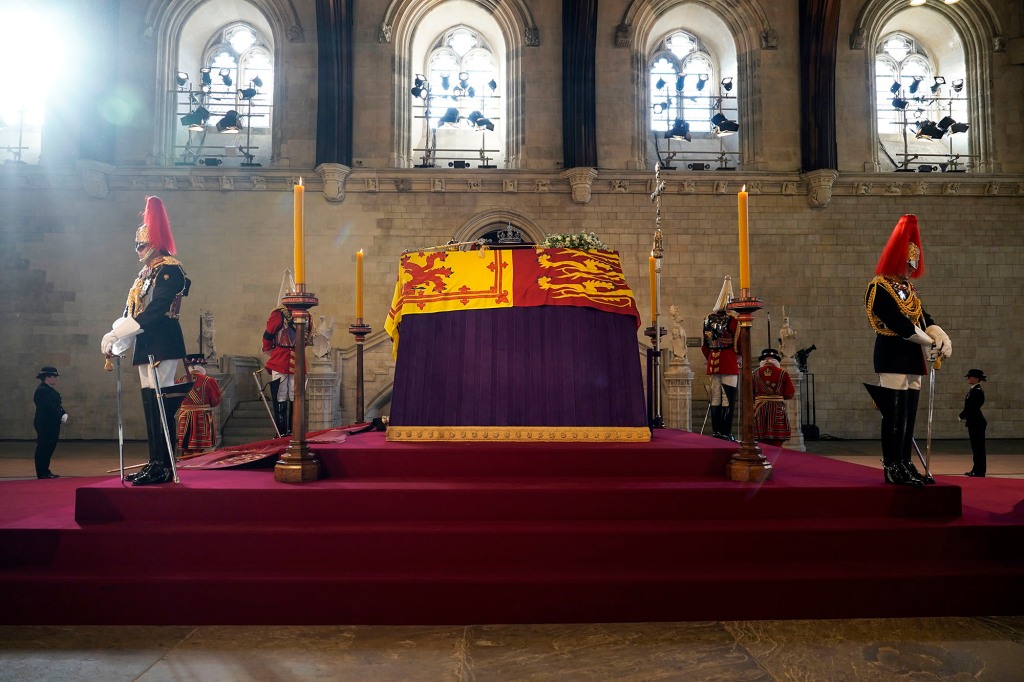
(496, 533)
(751, 592)
(258, 499)
(386, 547)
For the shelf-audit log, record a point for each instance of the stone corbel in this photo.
(819, 186)
(333, 176)
(582, 181)
(95, 177)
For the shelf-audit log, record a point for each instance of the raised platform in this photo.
(472, 533)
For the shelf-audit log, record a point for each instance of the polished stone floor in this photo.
(916, 649)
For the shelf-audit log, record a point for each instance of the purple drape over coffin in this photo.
(526, 366)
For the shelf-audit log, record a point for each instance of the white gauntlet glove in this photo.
(942, 343)
(921, 338)
(123, 328)
(64, 418)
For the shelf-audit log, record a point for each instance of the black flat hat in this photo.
(47, 372)
(977, 374)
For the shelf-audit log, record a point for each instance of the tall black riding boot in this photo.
(281, 417)
(289, 414)
(893, 406)
(913, 399)
(728, 411)
(716, 421)
(148, 398)
(161, 471)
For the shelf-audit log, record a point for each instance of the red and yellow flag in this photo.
(501, 278)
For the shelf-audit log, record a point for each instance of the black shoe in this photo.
(157, 474)
(48, 474)
(140, 473)
(974, 475)
(898, 475)
(915, 474)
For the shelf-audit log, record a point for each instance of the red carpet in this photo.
(472, 533)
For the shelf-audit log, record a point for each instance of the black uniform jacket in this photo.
(972, 407)
(894, 354)
(161, 333)
(48, 408)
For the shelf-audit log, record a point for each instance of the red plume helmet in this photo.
(904, 245)
(156, 227)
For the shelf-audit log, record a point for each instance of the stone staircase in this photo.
(248, 423)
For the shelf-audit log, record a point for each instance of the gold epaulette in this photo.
(911, 308)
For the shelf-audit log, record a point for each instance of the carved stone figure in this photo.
(322, 338)
(787, 336)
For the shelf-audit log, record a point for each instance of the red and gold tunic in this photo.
(720, 343)
(279, 340)
(197, 429)
(772, 387)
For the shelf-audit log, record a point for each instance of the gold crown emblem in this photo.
(913, 253)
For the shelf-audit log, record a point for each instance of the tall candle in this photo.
(300, 256)
(744, 241)
(359, 284)
(653, 267)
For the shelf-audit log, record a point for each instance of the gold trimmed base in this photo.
(521, 434)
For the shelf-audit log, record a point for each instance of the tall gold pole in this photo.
(360, 331)
(748, 464)
(654, 332)
(298, 464)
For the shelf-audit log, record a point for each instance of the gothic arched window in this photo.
(226, 109)
(691, 104)
(918, 111)
(457, 111)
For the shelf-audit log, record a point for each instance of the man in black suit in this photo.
(975, 421)
(50, 415)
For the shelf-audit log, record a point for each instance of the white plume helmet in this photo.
(287, 285)
(725, 296)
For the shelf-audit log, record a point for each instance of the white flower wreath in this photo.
(583, 240)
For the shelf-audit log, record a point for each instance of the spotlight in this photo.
(727, 84)
(471, 91)
(680, 81)
(930, 130)
(419, 81)
(210, 161)
(493, 85)
(698, 166)
(680, 131)
(927, 168)
(450, 117)
(479, 121)
(702, 80)
(204, 76)
(181, 78)
(458, 164)
(225, 77)
(660, 107)
(898, 103)
(257, 82)
(939, 82)
(958, 85)
(958, 128)
(916, 84)
(420, 91)
(196, 119)
(660, 84)
(247, 93)
(446, 81)
(895, 87)
(230, 123)
(724, 126)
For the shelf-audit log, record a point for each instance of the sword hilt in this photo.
(108, 366)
